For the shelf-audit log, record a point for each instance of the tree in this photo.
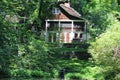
(8, 45)
(99, 13)
(19, 47)
(106, 50)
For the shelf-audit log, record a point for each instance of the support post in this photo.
(72, 26)
(64, 37)
(46, 33)
(52, 37)
(59, 25)
(59, 32)
(72, 34)
(85, 30)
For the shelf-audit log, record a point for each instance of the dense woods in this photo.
(24, 54)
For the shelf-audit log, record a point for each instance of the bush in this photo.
(29, 73)
(4, 73)
(73, 76)
(20, 73)
(117, 77)
(37, 73)
(55, 73)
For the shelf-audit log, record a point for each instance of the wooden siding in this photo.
(60, 16)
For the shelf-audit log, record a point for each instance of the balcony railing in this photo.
(63, 37)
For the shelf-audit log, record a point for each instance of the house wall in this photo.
(60, 16)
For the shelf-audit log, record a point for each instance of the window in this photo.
(76, 35)
(56, 11)
(81, 36)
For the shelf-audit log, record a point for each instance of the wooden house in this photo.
(66, 26)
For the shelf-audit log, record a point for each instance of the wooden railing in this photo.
(51, 35)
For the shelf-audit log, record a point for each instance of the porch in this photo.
(65, 31)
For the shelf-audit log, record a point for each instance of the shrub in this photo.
(41, 74)
(73, 76)
(20, 73)
(29, 73)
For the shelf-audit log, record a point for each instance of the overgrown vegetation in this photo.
(24, 54)
(106, 51)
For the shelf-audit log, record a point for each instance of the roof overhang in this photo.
(70, 12)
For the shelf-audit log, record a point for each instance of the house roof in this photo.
(70, 11)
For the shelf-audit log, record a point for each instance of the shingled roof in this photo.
(70, 11)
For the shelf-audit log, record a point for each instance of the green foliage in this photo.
(20, 73)
(40, 74)
(99, 13)
(106, 50)
(8, 45)
(37, 54)
(34, 55)
(20, 49)
(81, 4)
(28, 73)
(23, 53)
(73, 76)
(79, 69)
